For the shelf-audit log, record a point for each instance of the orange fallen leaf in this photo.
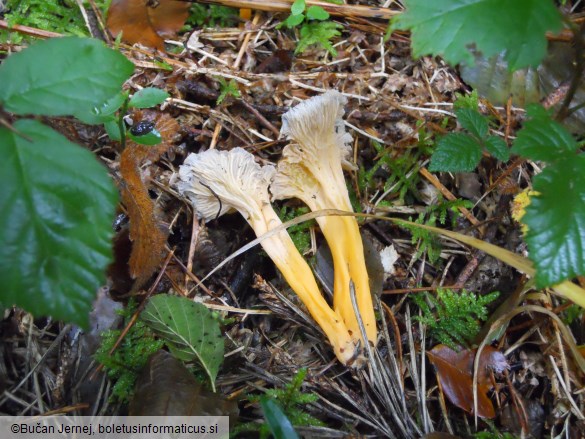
(147, 22)
(455, 372)
(148, 238)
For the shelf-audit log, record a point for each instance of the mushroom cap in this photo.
(292, 180)
(316, 125)
(232, 176)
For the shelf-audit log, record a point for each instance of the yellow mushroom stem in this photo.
(219, 182)
(311, 170)
(345, 242)
(281, 249)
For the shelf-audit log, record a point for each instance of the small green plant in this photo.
(314, 27)
(572, 313)
(402, 168)
(493, 434)
(128, 360)
(556, 215)
(291, 400)
(452, 317)
(111, 114)
(59, 201)
(299, 233)
(188, 329)
(227, 88)
(432, 216)
(211, 15)
(62, 17)
(461, 152)
(449, 28)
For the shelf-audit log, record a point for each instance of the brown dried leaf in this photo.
(147, 21)
(147, 237)
(166, 388)
(455, 372)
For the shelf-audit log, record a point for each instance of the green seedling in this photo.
(290, 401)
(227, 88)
(315, 29)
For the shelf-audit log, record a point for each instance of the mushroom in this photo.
(312, 170)
(218, 182)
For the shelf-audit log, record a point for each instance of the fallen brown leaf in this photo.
(455, 372)
(167, 388)
(148, 238)
(147, 22)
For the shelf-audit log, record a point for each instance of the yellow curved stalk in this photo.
(299, 276)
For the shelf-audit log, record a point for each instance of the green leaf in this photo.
(320, 33)
(148, 97)
(227, 89)
(293, 20)
(497, 147)
(280, 426)
(556, 221)
(149, 139)
(542, 138)
(105, 112)
(456, 152)
(113, 129)
(473, 122)
(62, 76)
(449, 27)
(298, 7)
(470, 101)
(189, 330)
(317, 13)
(57, 207)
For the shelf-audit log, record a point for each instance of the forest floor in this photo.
(229, 86)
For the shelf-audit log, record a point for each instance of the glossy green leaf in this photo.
(62, 76)
(449, 27)
(149, 139)
(113, 129)
(473, 122)
(497, 147)
(105, 112)
(57, 207)
(298, 7)
(456, 152)
(280, 426)
(189, 330)
(317, 13)
(148, 97)
(542, 138)
(556, 221)
(293, 20)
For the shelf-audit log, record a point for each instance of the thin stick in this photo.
(246, 42)
(33, 32)
(192, 244)
(447, 194)
(284, 6)
(215, 135)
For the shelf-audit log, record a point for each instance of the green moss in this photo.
(452, 318)
(402, 169)
(291, 400)
(212, 15)
(128, 360)
(299, 233)
(62, 16)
